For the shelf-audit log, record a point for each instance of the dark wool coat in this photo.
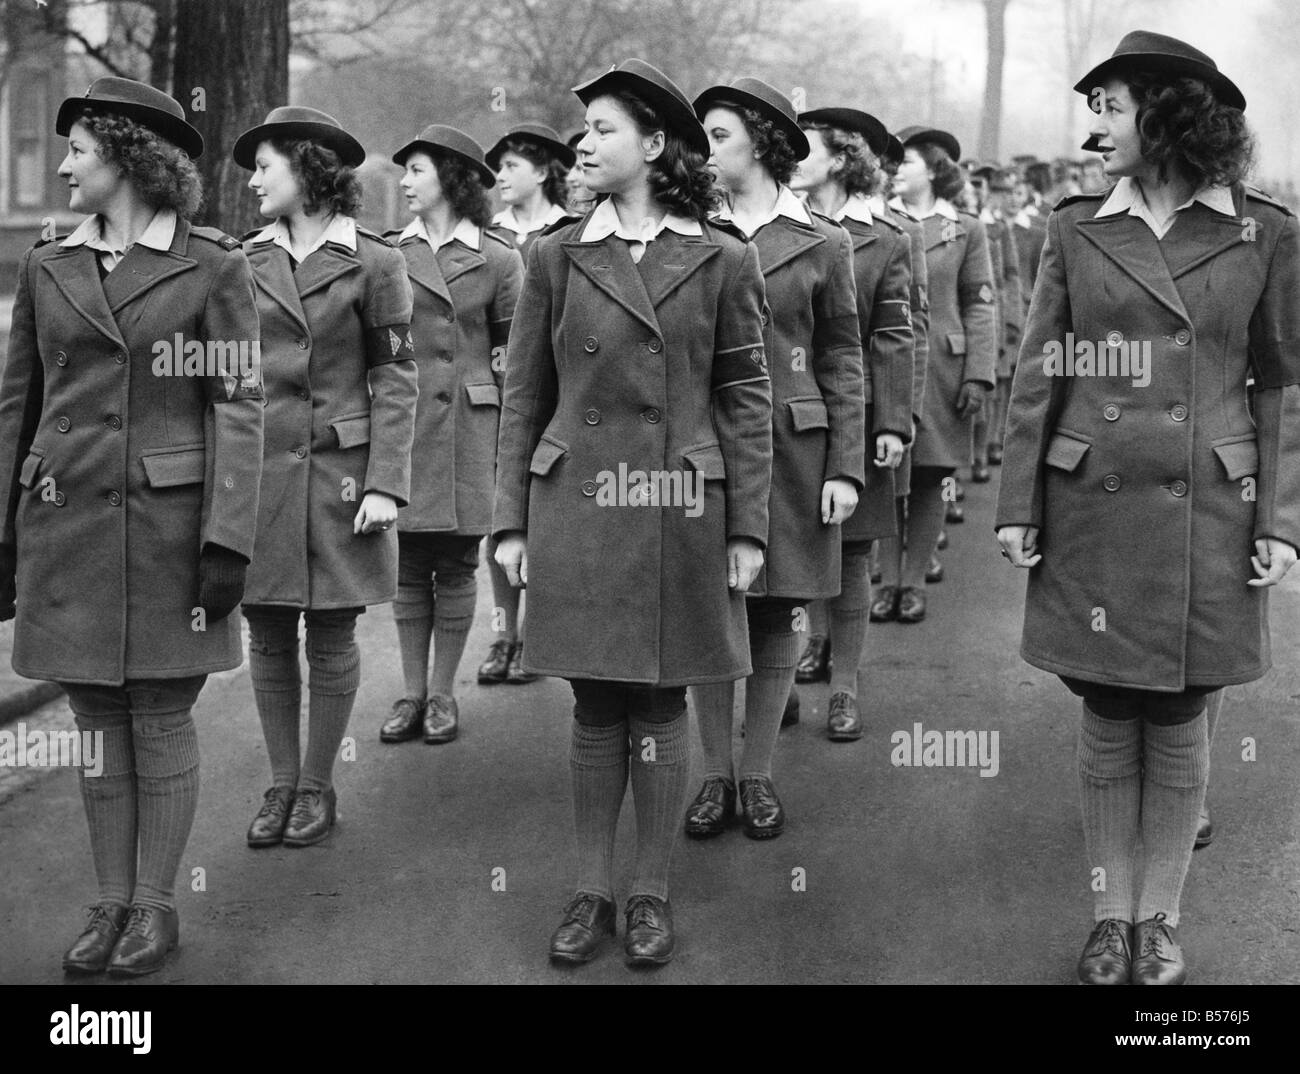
(920, 306)
(1149, 497)
(1010, 306)
(112, 478)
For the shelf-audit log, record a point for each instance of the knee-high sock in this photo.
(889, 550)
(1110, 795)
(453, 615)
(277, 688)
(660, 770)
(924, 521)
(818, 621)
(110, 802)
(1213, 706)
(849, 615)
(598, 764)
(334, 663)
(766, 692)
(1175, 771)
(413, 613)
(167, 786)
(505, 599)
(715, 704)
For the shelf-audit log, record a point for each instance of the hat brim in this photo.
(563, 153)
(715, 95)
(164, 124)
(1117, 66)
(337, 139)
(850, 119)
(486, 175)
(942, 139)
(675, 113)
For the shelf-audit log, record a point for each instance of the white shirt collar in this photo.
(157, 235)
(506, 218)
(858, 208)
(876, 203)
(1128, 197)
(341, 229)
(942, 207)
(604, 222)
(465, 230)
(787, 204)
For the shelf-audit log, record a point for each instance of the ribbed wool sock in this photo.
(715, 704)
(110, 801)
(167, 787)
(925, 513)
(413, 616)
(598, 763)
(334, 664)
(661, 769)
(277, 688)
(849, 615)
(453, 615)
(766, 692)
(1213, 706)
(1110, 790)
(1176, 770)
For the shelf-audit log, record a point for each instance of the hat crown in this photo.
(444, 137)
(1143, 42)
(294, 113)
(129, 91)
(756, 87)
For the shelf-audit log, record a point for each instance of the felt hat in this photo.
(136, 101)
(294, 121)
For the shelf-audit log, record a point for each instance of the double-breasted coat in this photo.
(464, 299)
(818, 417)
(882, 272)
(115, 473)
(920, 308)
(341, 386)
(963, 344)
(615, 367)
(1149, 494)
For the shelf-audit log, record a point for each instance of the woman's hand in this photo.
(1020, 545)
(512, 557)
(839, 498)
(744, 560)
(889, 450)
(1272, 559)
(970, 398)
(378, 512)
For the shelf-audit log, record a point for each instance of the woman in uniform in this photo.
(839, 174)
(962, 361)
(129, 479)
(632, 476)
(466, 281)
(531, 166)
(815, 350)
(340, 376)
(1151, 509)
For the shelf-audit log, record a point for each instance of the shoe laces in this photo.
(304, 803)
(757, 792)
(1110, 937)
(501, 645)
(643, 912)
(840, 705)
(101, 914)
(137, 922)
(1156, 937)
(274, 803)
(582, 908)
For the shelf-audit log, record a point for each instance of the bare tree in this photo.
(995, 23)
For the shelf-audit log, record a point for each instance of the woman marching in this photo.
(1138, 488)
(962, 361)
(632, 477)
(129, 478)
(815, 351)
(839, 174)
(531, 166)
(466, 281)
(340, 377)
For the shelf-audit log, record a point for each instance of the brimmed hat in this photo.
(1142, 50)
(537, 134)
(1092, 145)
(851, 119)
(293, 121)
(893, 153)
(919, 135)
(767, 100)
(437, 136)
(657, 89)
(136, 101)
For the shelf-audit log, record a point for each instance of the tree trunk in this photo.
(160, 45)
(995, 21)
(230, 67)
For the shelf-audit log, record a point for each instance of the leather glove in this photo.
(8, 590)
(221, 580)
(970, 399)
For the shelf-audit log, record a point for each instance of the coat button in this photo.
(444, 397)
(60, 498)
(1182, 337)
(450, 318)
(1111, 412)
(589, 488)
(1114, 337)
(113, 422)
(119, 358)
(654, 346)
(115, 498)
(302, 344)
(590, 345)
(1178, 412)
(300, 452)
(1111, 483)
(64, 425)
(593, 417)
(1178, 488)
(651, 415)
(61, 357)
(764, 319)
(303, 393)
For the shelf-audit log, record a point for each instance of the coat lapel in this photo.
(609, 265)
(456, 259)
(422, 266)
(670, 261)
(1131, 245)
(143, 269)
(862, 236)
(76, 275)
(939, 231)
(322, 267)
(273, 276)
(783, 240)
(1199, 234)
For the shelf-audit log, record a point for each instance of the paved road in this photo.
(912, 874)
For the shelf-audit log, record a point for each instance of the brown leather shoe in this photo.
(911, 604)
(764, 815)
(713, 808)
(267, 829)
(649, 939)
(814, 663)
(844, 722)
(93, 948)
(441, 719)
(884, 609)
(588, 920)
(405, 722)
(495, 668)
(149, 933)
(312, 817)
(1157, 960)
(515, 673)
(1107, 955)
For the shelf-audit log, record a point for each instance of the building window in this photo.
(29, 127)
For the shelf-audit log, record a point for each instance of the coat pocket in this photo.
(808, 413)
(1065, 452)
(168, 467)
(1239, 457)
(31, 466)
(706, 460)
(352, 429)
(483, 394)
(957, 342)
(548, 452)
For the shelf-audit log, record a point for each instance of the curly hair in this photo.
(861, 165)
(162, 174)
(326, 182)
(1183, 125)
(679, 179)
(554, 187)
(775, 152)
(948, 177)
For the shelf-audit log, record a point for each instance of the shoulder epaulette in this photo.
(969, 216)
(214, 234)
(392, 235)
(1258, 195)
(822, 217)
(53, 238)
(1070, 199)
(252, 234)
(729, 228)
(562, 222)
(373, 236)
(888, 221)
(498, 237)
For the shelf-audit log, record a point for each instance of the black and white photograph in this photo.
(650, 492)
